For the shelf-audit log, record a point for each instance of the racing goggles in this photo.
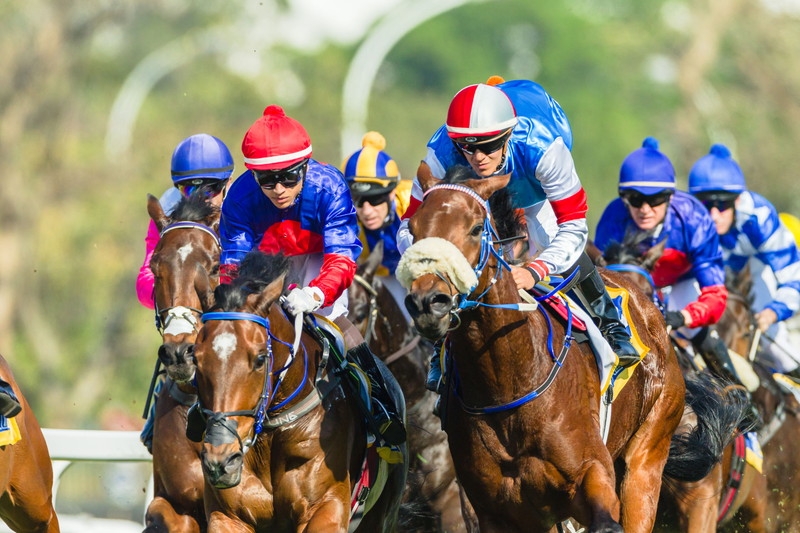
(722, 202)
(637, 199)
(288, 177)
(373, 200)
(209, 187)
(487, 147)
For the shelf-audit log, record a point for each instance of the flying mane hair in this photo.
(507, 221)
(256, 271)
(193, 208)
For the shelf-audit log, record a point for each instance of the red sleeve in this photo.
(413, 204)
(335, 276)
(570, 208)
(709, 306)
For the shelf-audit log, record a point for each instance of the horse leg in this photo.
(598, 494)
(333, 517)
(221, 523)
(161, 517)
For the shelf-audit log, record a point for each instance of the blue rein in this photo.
(641, 271)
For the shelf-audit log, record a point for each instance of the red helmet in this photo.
(275, 141)
(480, 111)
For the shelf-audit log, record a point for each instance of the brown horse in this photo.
(432, 483)
(26, 474)
(523, 420)
(734, 492)
(283, 448)
(185, 265)
(772, 505)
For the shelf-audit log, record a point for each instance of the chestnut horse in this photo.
(432, 483)
(727, 495)
(185, 264)
(283, 447)
(522, 413)
(26, 474)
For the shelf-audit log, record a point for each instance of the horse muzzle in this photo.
(222, 469)
(178, 360)
(431, 312)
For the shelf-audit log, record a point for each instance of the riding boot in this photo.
(793, 374)
(715, 354)
(384, 410)
(9, 403)
(605, 315)
(434, 381)
(146, 436)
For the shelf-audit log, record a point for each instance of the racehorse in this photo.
(432, 480)
(776, 505)
(26, 474)
(185, 266)
(523, 422)
(283, 448)
(734, 492)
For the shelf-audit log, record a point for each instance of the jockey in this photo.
(750, 231)
(381, 198)
(199, 163)
(691, 264)
(517, 128)
(288, 203)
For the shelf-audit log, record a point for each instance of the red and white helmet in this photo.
(478, 111)
(275, 141)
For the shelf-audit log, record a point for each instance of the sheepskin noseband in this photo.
(432, 255)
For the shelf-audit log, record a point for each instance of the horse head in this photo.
(737, 326)
(239, 361)
(363, 295)
(628, 257)
(450, 231)
(185, 265)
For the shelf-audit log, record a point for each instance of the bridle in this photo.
(372, 315)
(180, 318)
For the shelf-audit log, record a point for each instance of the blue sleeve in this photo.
(236, 236)
(340, 231)
(705, 253)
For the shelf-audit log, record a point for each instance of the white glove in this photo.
(305, 300)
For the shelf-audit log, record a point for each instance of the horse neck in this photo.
(499, 353)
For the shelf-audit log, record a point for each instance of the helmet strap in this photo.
(502, 159)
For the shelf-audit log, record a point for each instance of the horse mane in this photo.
(194, 208)
(507, 221)
(256, 271)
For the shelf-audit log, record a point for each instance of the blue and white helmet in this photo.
(647, 170)
(717, 171)
(201, 156)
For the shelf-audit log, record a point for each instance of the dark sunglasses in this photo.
(721, 205)
(288, 177)
(487, 147)
(637, 199)
(208, 186)
(374, 200)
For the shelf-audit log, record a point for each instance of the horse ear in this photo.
(744, 280)
(373, 261)
(486, 187)
(425, 177)
(653, 255)
(263, 300)
(595, 254)
(156, 212)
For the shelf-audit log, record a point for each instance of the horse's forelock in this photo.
(256, 272)
(194, 208)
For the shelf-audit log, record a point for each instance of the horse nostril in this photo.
(440, 303)
(412, 304)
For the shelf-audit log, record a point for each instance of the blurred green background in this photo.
(74, 177)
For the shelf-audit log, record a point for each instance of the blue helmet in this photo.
(201, 156)
(716, 171)
(647, 170)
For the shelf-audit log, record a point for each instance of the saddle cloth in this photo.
(607, 361)
(9, 431)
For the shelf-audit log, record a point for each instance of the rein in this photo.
(642, 272)
(262, 408)
(372, 317)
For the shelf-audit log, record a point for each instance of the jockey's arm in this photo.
(404, 237)
(560, 182)
(236, 238)
(145, 281)
(776, 248)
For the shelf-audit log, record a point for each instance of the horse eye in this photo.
(261, 360)
(477, 230)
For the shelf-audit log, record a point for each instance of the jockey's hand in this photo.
(305, 300)
(765, 318)
(528, 276)
(676, 319)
